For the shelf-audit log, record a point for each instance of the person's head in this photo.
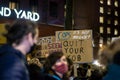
(106, 55)
(56, 62)
(22, 32)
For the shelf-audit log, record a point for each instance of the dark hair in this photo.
(51, 59)
(19, 29)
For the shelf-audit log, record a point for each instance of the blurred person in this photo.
(112, 54)
(107, 53)
(21, 36)
(56, 66)
(114, 68)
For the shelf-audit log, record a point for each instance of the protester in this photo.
(114, 68)
(56, 66)
(114, 61)
(21, 36)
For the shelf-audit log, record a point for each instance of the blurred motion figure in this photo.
(21, 36)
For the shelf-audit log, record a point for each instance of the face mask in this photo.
(63, 68)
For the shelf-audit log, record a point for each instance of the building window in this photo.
(101, 1)
(116, 3)
(101, 19)
(109, 11)
(115, 32)
(115, 22)
(101, 29)
(101, 10)
(108, 21)
(108, 2)
(116, 13)
(13, 4)
(108, 30)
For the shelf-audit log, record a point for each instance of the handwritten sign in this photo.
(2, 30)
(76, 44)
(48, 45)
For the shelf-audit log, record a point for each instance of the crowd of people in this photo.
(21, 37)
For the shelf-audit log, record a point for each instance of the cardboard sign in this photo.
(3, 39)
(48, 45)
(76, 44)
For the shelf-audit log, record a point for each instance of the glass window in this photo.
(116, 13)
(101, 10)
(115, 32)
(101, 29)
(101, 1)
(108, 30)
(101, 19)
(108, 21)
(108, 2)
(116, 3)
(115, 22)
(13, 5)
(109, 11)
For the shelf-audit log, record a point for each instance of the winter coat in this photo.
(12, 64)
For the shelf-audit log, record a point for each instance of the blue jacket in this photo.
(12, 64)
(113, 72)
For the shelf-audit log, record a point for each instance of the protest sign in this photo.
(76, 44)
(48, 45)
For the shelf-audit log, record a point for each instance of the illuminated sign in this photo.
(6, 12)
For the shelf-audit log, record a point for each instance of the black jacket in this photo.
(12, 64)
